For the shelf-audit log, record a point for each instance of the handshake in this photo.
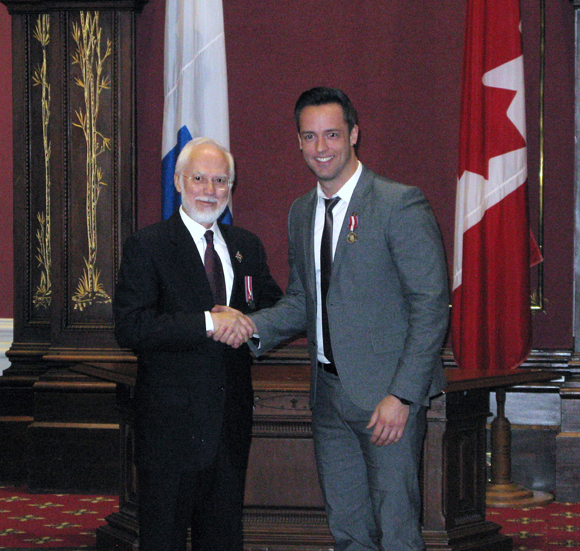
(230, 326)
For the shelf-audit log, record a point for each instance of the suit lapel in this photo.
(308, 241)
(356, 205)
(194, 269)
(236, 258)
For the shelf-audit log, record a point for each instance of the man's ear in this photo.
(176, 183)
(354, 135)
(299, 141)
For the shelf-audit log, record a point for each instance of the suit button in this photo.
(221, 388)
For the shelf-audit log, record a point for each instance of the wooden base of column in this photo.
(74, 438)
(568, 441)
(514, 495)
(501, 491)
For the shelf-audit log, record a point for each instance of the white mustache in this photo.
(207, 199)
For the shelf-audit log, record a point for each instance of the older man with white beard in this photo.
(193, 395)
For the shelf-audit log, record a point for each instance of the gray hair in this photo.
(195, 142)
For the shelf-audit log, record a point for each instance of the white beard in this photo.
(205, 216)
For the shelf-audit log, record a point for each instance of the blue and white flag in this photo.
(196, 93)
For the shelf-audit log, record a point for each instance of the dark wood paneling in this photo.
(74, 204)
(74, 438)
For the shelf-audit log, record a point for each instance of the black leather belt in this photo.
(329, 368)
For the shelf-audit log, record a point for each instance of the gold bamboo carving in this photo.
(43, 295)
(90, 57)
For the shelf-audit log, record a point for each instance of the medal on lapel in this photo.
(249, 292)
(352, 224)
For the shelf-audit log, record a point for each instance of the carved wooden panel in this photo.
(33, 106)
(74, 172)
(97, 180)
(74, 205)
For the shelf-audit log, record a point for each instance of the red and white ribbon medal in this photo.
(249, 291)
(352, 224)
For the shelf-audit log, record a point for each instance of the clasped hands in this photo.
(230, 326)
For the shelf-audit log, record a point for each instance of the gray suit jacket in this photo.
(388, 297)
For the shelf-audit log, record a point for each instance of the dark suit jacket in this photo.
(387, 300)
(189, 388)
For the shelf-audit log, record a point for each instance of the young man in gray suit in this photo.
(376, 255)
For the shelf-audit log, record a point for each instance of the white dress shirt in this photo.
(338, 215)
(197, 232)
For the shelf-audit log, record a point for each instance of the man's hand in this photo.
(231, 326)
(389, 420)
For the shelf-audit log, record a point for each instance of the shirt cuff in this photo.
(208, 322)
(403, 401)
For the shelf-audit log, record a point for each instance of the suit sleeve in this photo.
(288, 317)
(415, 244)
(269, 291)
(144, 321)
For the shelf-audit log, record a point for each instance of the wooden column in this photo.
(74, 204)
(568, 441)
(568, 444)
(575, 362)
(454, 474)
(501, 490)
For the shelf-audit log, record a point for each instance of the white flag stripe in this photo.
(186, 67)
(475, 195)
(195, 83)
(195, 71)
(506, 173)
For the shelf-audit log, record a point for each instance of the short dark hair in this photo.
(322, 96)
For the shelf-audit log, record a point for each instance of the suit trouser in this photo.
(209, 501)
(371, 493)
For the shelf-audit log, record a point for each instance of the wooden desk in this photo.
(283, 505)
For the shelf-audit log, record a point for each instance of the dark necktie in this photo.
(325, 269)
(214, 270)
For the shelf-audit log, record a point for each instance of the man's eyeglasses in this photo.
(219, 182)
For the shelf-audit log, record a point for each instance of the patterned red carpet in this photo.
(51, 521)
(550, 528)
(69, 521)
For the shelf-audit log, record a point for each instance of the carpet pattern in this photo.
(69, 522)
(51, 521)
(548, 528)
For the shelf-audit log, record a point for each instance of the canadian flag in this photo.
(491, 319)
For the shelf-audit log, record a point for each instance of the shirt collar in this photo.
(196, 230)
(346, 191)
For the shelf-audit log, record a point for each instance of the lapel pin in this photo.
(239, 256)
